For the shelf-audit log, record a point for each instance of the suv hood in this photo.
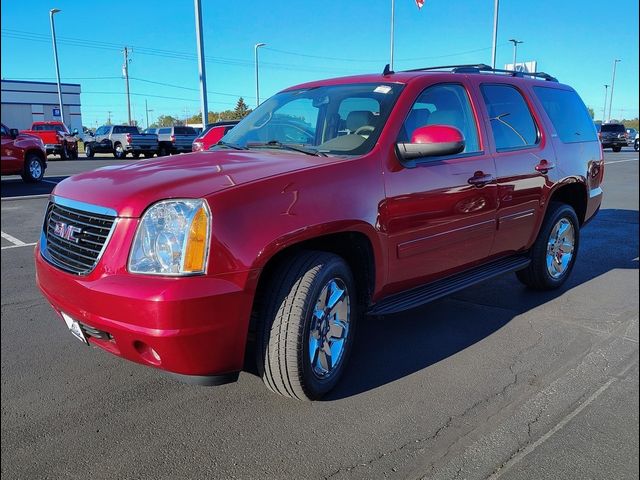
(129, 189)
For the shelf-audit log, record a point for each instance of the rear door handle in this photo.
(544, 166)
(480, 179)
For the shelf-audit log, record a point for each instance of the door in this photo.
(11, 157)
(440, 215)
(524, 160)
(103, 143)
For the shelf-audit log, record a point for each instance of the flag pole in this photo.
(392, 25)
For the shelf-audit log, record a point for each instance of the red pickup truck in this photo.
(22, 155)
(57, 139)
(332, 200)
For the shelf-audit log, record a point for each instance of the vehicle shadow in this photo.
(392, 347)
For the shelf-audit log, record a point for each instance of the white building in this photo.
(24, 102)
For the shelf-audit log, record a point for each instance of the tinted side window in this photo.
(568, 114)
(512, 125)
(444, 104)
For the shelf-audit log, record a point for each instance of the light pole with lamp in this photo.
(52, 12)
(515, 51)
(255, 51)
(613, 81)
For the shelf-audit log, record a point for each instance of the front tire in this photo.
(33, 168)
(554, 252)
(617, 149)
(636, 145)
(88, 151)
(306, 330)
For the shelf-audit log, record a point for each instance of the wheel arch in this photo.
(573, 193)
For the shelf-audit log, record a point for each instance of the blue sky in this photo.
(575, 41)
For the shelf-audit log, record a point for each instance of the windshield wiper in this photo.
(287, 146)
(230, 145)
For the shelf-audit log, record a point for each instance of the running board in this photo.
(432, 291)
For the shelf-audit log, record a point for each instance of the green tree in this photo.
(242, 109)
(166, 121)
(591, 112)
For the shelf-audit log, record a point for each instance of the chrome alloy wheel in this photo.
(35, 168)
(560, 248)
(329, 328)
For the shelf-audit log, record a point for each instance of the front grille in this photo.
(75, 238)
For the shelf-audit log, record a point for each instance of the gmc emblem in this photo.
(67, 232)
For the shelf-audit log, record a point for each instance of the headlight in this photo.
(172, 239)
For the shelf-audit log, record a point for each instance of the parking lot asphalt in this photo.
(496, 381)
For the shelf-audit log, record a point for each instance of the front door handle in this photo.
(544, 166)
(480, 179)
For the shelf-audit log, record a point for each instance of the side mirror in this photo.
(74, 131)
(14, 132)
(432, 141)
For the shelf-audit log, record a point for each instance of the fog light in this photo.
(147, 353)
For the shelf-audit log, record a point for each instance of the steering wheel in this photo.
(364, 129)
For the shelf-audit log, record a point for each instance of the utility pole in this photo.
(613, 81)
(52, 12)
(515, 51)
(146, 109)
(204, 109)
(604, 110)
(125, 71)
(494, 44)
(108, 117)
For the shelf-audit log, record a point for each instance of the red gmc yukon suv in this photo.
(331, 201)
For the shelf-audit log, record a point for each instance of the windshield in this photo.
(335, 119)
(47, 128)
(613, 127)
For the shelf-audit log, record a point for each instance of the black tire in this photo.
(88, 151)
(537, 275)
(163, 151)
(636, 145)
(616, 149)
(64, 153)
(74, 154)
(33, 168)
(119, 153)
(284, 326)
(135, 154)
(148, 155)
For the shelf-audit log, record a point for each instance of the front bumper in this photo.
(195, 327)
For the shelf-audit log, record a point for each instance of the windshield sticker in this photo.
(382, 89)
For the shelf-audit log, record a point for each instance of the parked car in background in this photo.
(613, 135)
(176, 139)
(22, 154)
(121, 140)
(212, 135)
(631, 135)
(636, 143)
(57, 139)
(409, 186)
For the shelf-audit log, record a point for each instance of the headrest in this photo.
(359, 118)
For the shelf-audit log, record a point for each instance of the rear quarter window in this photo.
(184, 131)
(568, 114)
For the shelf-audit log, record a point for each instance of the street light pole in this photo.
(146, 109)
(204, 108)
(52, 12)
(613, 81)
(494, 44)
(255, 52)
(393, 10)
(125, 72)
(515, 51)
(604, 110)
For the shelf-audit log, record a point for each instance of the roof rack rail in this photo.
(481, 67)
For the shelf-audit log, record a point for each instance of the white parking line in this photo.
(16, 243)
(621, 161)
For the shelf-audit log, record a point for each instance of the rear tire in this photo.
(88, 151)
(64, 153)
(306, 328)
(118, 151)
(617, 149)
(554, 252)
(33, 168)
(163, 151)
(135, 154)
(636, 145)
(148, 155)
